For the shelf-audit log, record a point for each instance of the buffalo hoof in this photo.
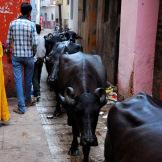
(74, 152)
(85, 160)
(69, 122)
(50, 116)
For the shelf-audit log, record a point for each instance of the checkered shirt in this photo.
(22, 33)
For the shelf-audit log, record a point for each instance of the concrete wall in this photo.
(73, 23)
(35, 15)
(65, 11)
(137, 46)
(45, 2)
(38, 11)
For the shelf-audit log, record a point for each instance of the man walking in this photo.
(39, 58)
(22, 36)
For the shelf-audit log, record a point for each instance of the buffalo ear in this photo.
(101, 94)
(69, 96)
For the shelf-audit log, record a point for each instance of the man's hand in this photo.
(34, 50)
(8, 51)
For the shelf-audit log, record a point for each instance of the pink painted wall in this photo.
(137, 46)
(145, 45)
(127, 43)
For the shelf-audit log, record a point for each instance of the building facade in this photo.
(65, 13)
(50, 12)
(125, 34)
(35, 15)
(73, 15)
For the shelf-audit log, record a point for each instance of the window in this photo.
(45, 15)
(52, 17)
(84, 10)
(106, 11)
(71, 9)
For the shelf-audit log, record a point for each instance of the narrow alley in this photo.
(32, 137)
(59, 134)
(100, 62)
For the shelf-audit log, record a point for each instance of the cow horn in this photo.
(69, 96)
(100, 92)
(62, 98)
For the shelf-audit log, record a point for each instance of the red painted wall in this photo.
(9, 10)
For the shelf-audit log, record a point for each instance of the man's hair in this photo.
(26, 8)
(38, 28)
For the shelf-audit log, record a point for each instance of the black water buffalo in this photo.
(56, 45)
(135, 130)
(52, 60)
(67, 34)
(50, 42)
(71, 35)
(59, 49)
(81, 89)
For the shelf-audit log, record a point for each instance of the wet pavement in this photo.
(59, 134)
(24, 140)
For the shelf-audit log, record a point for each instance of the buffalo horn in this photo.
(69, 94)
(100, 92)
(62, 98)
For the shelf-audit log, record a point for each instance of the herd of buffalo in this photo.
(134, 126)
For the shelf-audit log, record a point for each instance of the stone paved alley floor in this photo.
(59, 134)
(33, 138)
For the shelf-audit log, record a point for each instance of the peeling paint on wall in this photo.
(9, 10)
(5, 9)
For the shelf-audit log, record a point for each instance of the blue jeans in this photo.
(20, 65)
